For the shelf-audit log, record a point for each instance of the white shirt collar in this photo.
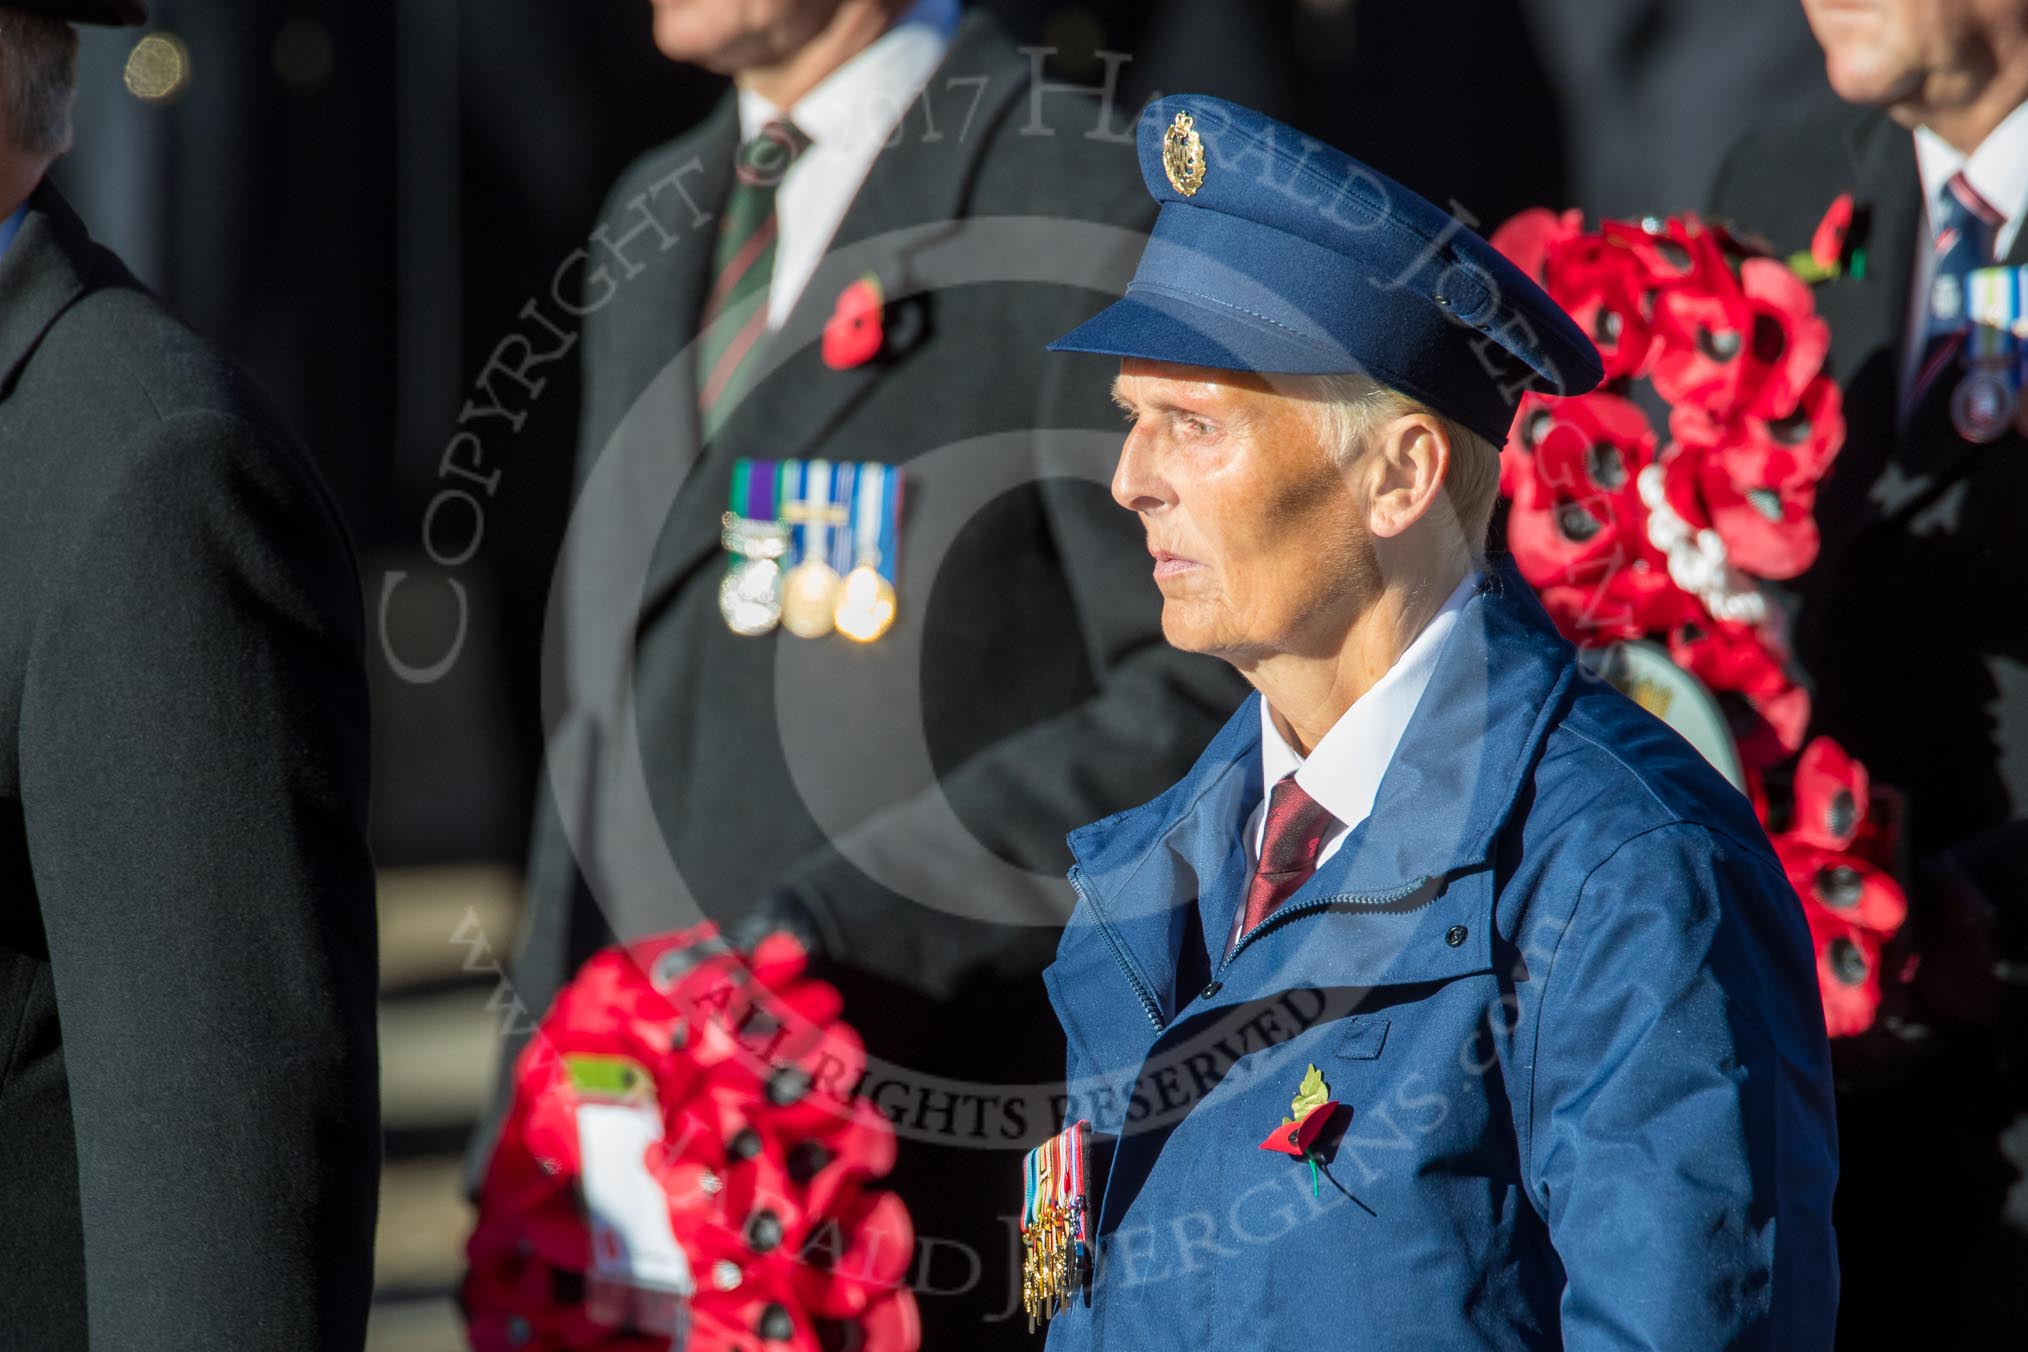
(1997, 170)
(1343, 771)
(862, 101)
(849, 117)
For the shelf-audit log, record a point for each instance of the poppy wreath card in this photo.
(1654, 508)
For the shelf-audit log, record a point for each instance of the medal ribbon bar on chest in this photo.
(814, 546)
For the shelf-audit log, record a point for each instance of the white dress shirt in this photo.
(1343, 771)
(1998, 172)
(848, 117)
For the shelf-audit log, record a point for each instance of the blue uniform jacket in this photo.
(1559, 982)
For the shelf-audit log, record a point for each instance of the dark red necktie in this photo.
(1289, 847)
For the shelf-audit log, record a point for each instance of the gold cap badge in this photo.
(1183, 155)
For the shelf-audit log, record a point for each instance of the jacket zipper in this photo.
(1317, 903)
(1141, 991)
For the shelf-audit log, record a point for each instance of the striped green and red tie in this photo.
(735, 320)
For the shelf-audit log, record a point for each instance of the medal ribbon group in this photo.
(1995, 358)
(814, 546)
(1055, 1244)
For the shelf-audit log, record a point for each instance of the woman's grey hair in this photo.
(38, 77)
(1352, 408)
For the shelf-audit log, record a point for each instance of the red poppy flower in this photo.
(1747, 347)
(1528, 236)
(1634, 601)
(1848, 971)
(1747, 661)
(1769, 530)
(1727, 655)
(1827, 244)
(1674, 254)
(1772, 727)
(764, 1161)
(1831, 796)
(1856, 889)
(1782, 453)
(1578, 528)
(854, 333)
(1602, 287)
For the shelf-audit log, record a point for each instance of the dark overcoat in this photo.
(189, 1125)
(1915, 644)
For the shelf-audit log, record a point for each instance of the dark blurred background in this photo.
(357, 199)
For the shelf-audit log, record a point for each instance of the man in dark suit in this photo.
(189, 1126)
(1908, 625)
(905, 799)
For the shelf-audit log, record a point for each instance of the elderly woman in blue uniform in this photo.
(1451, 1000)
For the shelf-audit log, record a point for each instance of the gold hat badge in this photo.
(1183, 155)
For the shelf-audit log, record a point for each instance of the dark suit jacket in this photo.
(1917, 661)
(1913, 635)
(911, 795)
(189, 1128)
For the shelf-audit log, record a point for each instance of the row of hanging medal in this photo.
(813, 546)
(1989, 398)
(1055, 1223)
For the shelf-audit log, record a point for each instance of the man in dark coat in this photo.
(189, 1126)
(1905, 626)
(906, 798)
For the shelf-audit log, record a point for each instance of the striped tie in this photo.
(1291, 840)
(1961, 239)
(743, 263)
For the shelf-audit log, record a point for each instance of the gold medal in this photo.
(865, 608)
(810, 599)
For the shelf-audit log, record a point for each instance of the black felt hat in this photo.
(118, 13)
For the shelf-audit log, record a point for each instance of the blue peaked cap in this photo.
(1275, 253)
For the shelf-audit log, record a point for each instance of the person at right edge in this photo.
(1920, 667)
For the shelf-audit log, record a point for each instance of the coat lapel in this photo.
(913, 197)
(43, 272)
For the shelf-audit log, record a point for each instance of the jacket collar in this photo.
(45, 270)
(1448, 793)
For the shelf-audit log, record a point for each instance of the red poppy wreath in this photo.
(1662, 536)
(685, 1164)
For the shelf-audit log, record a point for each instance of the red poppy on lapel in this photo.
(856, 330)
(1827, 245)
